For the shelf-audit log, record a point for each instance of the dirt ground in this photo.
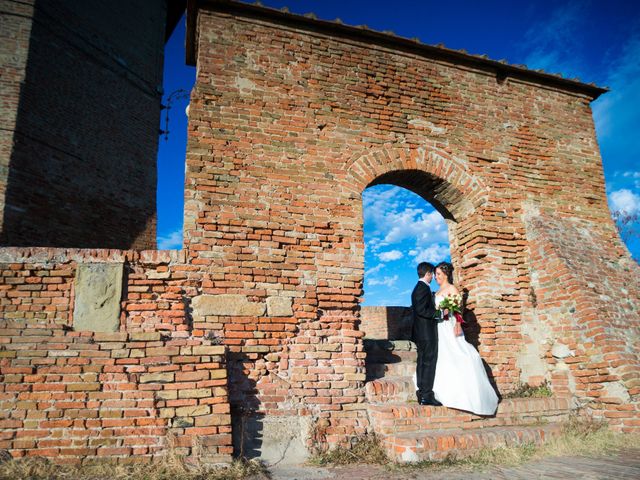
(620, 465)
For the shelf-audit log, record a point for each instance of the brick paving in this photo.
(620, 465)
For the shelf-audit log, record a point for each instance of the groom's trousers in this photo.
(426, 363)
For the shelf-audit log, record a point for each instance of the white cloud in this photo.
(433, 254)
(386, 281)
(616, 114)
(390, 255)
(555, 44)
(171, 241)
(424, 227)
(374, 244)
(634, 177)
(375, 269)
(378, 201)
(391, 217)
(624, 200)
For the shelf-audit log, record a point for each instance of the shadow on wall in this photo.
(398, 325)
(247, 433)
(247, 421)
(472, 330)
(82, 171)
(471, 327)
(262, 426)
(399, 322)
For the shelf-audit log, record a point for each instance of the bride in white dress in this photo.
(461, 381)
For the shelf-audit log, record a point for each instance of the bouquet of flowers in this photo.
(452, 303)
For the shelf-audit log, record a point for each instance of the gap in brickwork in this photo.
(401, 229)
(178, 80)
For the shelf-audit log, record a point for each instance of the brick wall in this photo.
(392, 323)
(587, 320)
(81, 97)
(290, 121)
(38, 287)
(151, 385)
(292, 118)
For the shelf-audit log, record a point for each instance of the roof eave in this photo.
(501, 69)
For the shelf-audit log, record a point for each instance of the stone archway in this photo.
(292, 118)
(442, 180)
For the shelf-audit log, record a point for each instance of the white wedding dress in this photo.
(461, 381)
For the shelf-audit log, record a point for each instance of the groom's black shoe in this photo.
(429, 401)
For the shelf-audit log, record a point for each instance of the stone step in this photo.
(440, 444)
(371, 345)
(388, 418)
(390, 389)
(390, 358)
(397, 369)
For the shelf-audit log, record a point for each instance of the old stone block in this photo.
(279, 306)
(209, 350)
(217, 374)
(144, 336)
(194, 393)
(120, 353)
(167, 412)
(226, 305)
(193, 411)
(157, 377)
(162, 351)
(274, 439)
(154, 275)
(98, 289)
(167, 395)
(560, 350)
(111, 336)
(255, 349)
(182, 422)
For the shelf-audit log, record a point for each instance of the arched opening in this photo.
(405, 222)
(401, 229)
(409, 216)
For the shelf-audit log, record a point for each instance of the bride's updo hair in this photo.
(447, 269)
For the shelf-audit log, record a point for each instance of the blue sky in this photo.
(594, 41)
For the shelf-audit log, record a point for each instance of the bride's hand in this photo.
(446, 312)
(457, 330)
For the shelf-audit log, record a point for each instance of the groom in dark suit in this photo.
(425, 334)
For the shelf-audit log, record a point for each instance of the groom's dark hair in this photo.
(424, 268)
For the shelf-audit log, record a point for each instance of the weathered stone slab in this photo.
(226, 305)
(279, 306)
(560, 350)
(98, 289)
(275, 440)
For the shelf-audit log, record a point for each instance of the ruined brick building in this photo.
(254, 329)
(81, 89)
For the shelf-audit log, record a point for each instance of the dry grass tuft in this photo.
(524, 390)
(366, 449)
(588, 437)
(168, 468)
(580, 436)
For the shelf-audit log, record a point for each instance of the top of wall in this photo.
(308, 21)
(175, 10)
